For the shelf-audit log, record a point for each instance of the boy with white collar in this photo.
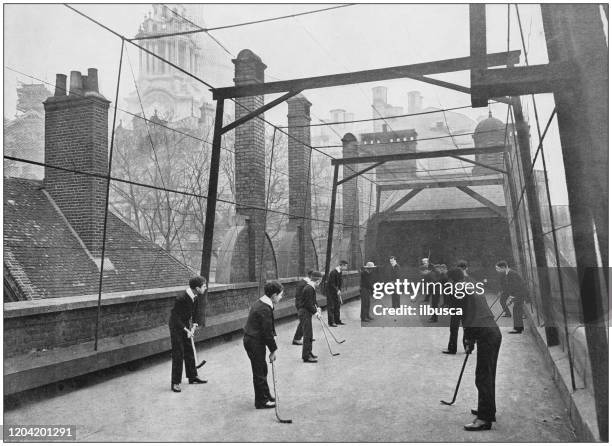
(259, 333)
(184, 312)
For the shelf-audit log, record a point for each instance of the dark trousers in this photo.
(488, 342)
(366, 295)
(257, 354)
(333, 309)
(181, 351)
(306, 322)
(517, 311)
(517, 314)
(395, 300)
(299, 331)
(435, 300)
(455, 321)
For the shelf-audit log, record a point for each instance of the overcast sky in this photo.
(43, 39)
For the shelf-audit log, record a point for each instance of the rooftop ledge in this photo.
(57, 304)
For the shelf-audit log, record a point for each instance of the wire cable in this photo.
(253, 22)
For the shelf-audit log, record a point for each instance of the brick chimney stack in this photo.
(249, 159)
(76, 137)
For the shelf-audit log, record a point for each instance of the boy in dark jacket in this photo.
(182, 315)
(334, 294)
(480, 329)
(455, 319)
(366, 290)
(514, 287)
(299, 331)
(258, 334)
(308, 307)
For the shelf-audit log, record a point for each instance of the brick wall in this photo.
(61, 322)
(76, 137)
(350, 204)
(298, 117)
(249, 160)
(296, 251)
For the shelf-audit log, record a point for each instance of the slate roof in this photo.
(45, 258)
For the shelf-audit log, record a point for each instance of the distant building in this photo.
(24, 135)
(53, 229)
(164, 89)
(173, 140)
(444, 223)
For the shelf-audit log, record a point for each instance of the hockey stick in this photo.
(195, 355)
(326, 340)
(282, 420)
(467, 355)
(332, 333)
(500, 315)
(495, 301)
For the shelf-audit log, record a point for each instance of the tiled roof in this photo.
(46, 259)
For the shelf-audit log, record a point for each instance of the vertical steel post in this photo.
(522, 132)
(332, 214)
(108, 181)
(211, 204)
(575, 32)
(478, 50)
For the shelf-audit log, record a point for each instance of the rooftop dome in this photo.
(490, 124)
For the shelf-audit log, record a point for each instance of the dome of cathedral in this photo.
(489, 124)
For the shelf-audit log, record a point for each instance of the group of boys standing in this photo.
(479, 327)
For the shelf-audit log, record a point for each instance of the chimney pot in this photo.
(92, 80)
(76, 83)
(84, 83)
(60, 85)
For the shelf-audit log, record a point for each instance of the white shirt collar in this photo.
(310, 282)
(190, 293)
(266, 300)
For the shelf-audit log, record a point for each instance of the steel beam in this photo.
(533, 79)
(443, 183)
(405, 199)
(533, 204)
(441, 214)
(513, 224)
(358, 77)
(478, 50)
(476, 163)
(575, 32)
(451, 86)
(499, 210)
(211, 201)
(361, 172)
(258, 111)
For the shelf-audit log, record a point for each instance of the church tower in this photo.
(175, 96)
